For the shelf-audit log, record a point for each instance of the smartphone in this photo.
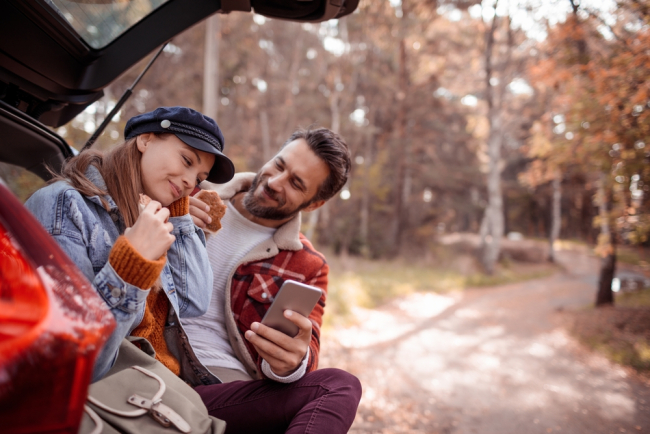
(294, 296)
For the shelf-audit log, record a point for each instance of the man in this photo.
(258, 247)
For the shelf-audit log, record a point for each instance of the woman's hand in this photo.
(199, 212)
(151, 234)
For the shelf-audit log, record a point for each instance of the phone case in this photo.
(294, 296)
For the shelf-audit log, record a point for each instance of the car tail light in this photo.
(52, 326)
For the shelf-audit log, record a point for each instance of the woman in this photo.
(148, 265)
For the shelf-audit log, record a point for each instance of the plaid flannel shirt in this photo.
(266, 276)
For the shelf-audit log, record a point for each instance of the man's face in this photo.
(286, 184)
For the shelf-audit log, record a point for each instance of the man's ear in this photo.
(314, 205)
(142, 141)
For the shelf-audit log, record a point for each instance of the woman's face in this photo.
(170, 168)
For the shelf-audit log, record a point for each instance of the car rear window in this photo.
(99, 22)
(21, 182)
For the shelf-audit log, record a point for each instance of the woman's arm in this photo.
(119, 273)
(126, 301)
(188, 260)
(66, 217)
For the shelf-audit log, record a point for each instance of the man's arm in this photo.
(284, 354)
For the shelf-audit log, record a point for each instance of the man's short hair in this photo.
(331, 149)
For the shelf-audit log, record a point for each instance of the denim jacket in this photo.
(86, 232)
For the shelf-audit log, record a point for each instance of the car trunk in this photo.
(57, 56)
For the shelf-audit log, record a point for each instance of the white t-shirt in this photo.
(207, 333)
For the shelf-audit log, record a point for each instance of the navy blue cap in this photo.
(193, 128)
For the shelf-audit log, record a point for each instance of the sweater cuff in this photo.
(295, 376)
(179, 207)
(132, 267)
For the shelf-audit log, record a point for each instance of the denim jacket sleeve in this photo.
(126, 302)
(84, 238)
(190, 268)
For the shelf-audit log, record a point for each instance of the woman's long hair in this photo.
(120, 168)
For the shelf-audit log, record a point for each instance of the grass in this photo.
(510, 275)
(370, 284)
(620, 332)
(633, 255)
(634, 299)
(625, 254)
(571, 244)
(632, 353)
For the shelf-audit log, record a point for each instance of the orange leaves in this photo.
(601, 88)
(538, 173)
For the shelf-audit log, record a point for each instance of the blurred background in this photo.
(494, 143)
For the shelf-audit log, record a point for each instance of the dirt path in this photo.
(487, 361)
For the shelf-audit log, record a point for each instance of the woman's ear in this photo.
(142, 141)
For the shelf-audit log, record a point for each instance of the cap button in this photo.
(165, 123)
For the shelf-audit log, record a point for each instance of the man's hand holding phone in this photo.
(284, 354)
(283, 336)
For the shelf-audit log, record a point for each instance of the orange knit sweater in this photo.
(143, 273)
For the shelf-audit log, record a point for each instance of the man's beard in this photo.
(253, 206)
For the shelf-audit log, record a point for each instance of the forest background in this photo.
(490, 118)
(500, 183)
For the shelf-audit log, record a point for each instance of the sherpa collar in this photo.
(286, 237)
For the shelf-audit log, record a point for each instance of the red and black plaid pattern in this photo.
(252, 280)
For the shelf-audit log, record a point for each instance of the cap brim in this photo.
(222, 170)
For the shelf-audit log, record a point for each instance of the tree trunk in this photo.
(398, 217)
(365, 194)
(407, 187)
(484, 229)
(494, 212)
(266, 135)
(288, 124)
(555, 215)
(605, 296)
(335, 112)
(211, 67)
(606, 246)
(313, 222)
(495, 197)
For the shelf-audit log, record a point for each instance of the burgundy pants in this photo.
(323, 401)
